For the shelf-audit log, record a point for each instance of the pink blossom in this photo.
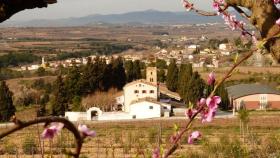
(189, 113)
(86, 131)
(156, 153)
(211, 79)
(51, 131)
(194, 136)
(208, 115)
(202, 102)
(278, 21)
(216, 6)
(212, 104)
(276, 1)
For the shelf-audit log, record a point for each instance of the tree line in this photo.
(97, 75)
(16, 59)
(190, 86)
(76, 82)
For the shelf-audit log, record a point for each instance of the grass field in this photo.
(221, 138)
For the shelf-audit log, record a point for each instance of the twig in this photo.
(178, 138)
(241, 12)
(231, 70)
(205, 13)
(67, 124)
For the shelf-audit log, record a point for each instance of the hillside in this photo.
(141, 17)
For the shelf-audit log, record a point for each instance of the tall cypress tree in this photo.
(194, 89)
(100, 68)
(118, 73)
(7, 109)
(161, 75)
(222, 92)
(107, 77)
(136, 70)
(85, 78)
(129, 71)
(172, 76)
(73, 82)
(185, 75)
(60, 102)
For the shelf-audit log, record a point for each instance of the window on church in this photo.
(151, 107)
(144, 91)
(136, 91)
(152, 91)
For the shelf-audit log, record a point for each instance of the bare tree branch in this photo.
(174, 146)
(9, 7)
(241, 12)
(264, 14)
(19, 125)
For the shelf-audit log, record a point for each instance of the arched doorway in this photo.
(93, 113)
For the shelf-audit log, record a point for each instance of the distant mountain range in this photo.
(142, 17)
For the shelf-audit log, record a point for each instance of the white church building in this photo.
(141, 99)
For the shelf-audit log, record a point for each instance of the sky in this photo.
(79, 8)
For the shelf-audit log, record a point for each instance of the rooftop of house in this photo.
(242, 90)
(147, 99)
(162, 88)
(139, 81)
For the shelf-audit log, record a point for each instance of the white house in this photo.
(138, 90)
(140, 100)
(225, 46)
(145, 108)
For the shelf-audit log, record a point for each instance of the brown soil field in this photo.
(125, 139)
(15, 85)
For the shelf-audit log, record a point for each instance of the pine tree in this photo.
(7, 109)
(172, 76)
(60, 102)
